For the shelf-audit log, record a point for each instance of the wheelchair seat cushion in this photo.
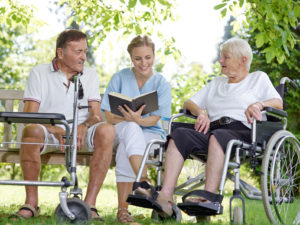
(189, 141)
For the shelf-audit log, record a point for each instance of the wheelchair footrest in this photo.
(144, 202)
(201, 209)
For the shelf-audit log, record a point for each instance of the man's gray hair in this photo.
(238, 47)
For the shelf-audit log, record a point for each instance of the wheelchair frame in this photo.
(240, 186)
(69, 208)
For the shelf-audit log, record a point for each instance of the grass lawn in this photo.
(12, 197)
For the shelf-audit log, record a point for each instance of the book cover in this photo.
(150, 99)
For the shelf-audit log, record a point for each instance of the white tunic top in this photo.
(220, 98)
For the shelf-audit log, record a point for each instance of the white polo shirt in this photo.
(49, 87)
(221, 98)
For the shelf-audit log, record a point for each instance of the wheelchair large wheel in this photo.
(280, 180)
(78, 207)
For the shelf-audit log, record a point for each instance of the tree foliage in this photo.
(189, 80)
(101, 18)
(271, 22)
(16, 23)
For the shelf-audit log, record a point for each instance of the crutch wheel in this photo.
(237, 215)
(78, 207)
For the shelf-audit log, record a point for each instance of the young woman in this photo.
(134, 131)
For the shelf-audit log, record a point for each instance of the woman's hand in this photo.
(130, 115)
(203, 122)
(254, 110)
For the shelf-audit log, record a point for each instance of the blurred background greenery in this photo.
(271, 27)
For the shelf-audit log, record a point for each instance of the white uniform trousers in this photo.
(131, 140)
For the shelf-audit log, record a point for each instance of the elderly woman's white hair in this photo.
(238, 47)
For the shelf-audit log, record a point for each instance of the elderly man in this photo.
(50, 90)
(237, 98)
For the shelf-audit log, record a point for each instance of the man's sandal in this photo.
(97, 216)
(35, 212)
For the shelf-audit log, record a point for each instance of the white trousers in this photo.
(132, 141)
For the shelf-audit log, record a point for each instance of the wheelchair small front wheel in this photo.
(176, 213)
(155, 216)
(280, 180)
(79, 208)
(238, 215)
(177, 216)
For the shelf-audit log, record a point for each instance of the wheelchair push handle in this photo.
(289, 81)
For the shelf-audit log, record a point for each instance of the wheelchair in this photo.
(70, 208)
(274, 149)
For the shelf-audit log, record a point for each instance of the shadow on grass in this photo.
(108, 220)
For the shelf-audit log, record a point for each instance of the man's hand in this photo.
(130, 115)
(203, 122)
(254, 110)
(81, 132)
(58, 132)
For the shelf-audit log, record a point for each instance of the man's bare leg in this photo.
(214, 165)
(103, 142)
(30, 163)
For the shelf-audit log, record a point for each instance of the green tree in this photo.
(103, 18)
(189, 80)
(270, 21)
(16, 24)
(290, 68)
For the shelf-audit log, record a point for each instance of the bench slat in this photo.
(11, 94)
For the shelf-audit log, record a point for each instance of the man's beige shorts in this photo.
(51, 139)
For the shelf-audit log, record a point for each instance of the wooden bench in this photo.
(12, 100)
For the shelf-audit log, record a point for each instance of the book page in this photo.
(143, 95)
(120, 96)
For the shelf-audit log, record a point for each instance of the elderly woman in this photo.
(235, 98)
(134, 131)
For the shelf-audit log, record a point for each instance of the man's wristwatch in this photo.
(87, 124)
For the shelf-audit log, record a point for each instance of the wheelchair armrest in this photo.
(187, 113)
(275, 112)
(27, 117)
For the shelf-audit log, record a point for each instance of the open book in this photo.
(149, 99)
